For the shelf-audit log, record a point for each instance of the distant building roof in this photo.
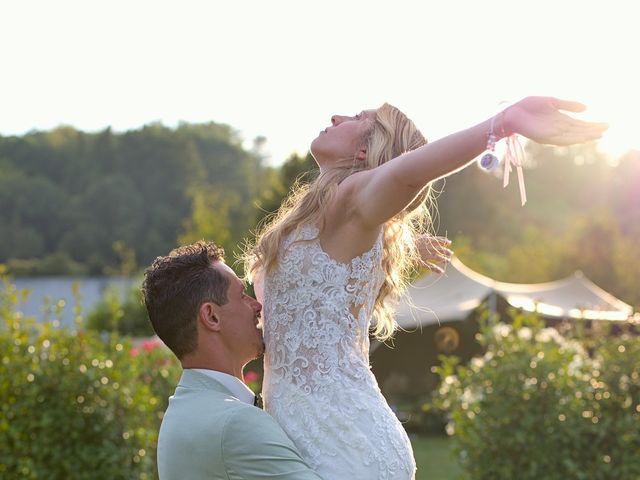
(454, 294)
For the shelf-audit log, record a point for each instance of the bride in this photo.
(333, 260)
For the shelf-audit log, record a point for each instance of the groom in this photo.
(211, 429)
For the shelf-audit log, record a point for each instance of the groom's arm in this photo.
(255, 447)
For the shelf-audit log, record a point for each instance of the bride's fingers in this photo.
(591, 126)
(590, 131)
(570, 126)
(441, 251)
(570, 138)
(435, 239)
(434, 247)
(434, 268)
(575, 122)
(568, 105)
(443, 242)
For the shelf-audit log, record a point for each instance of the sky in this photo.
(280, 69)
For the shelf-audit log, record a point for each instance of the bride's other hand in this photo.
(434, 252)
(541, 120)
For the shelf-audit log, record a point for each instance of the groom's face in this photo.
(240, 317)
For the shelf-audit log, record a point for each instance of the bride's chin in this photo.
(313, 148)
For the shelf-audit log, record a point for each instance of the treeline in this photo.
(104, 203)
(84, 203)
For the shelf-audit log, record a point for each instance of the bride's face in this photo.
(344, 139)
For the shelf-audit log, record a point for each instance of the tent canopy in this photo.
(453, 295)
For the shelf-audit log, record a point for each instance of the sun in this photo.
(618, 140)
(618, 105)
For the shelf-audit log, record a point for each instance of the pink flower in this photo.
(150, 345)
(251, 376)
(134, 352)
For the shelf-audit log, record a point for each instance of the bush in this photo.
(537, 405)
(76, 404)
(158, 368)
(113, 314)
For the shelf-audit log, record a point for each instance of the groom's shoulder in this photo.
(221, 419)
(212, 412)
(209, 409)
(197, 415)
(211, 401)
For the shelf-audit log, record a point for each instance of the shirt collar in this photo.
(235, 385)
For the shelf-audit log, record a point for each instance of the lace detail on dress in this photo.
(318, 384)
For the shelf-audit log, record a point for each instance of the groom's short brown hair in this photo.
(176, 285)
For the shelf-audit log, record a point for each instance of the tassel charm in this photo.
(515, 156)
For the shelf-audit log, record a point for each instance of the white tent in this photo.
(434, 299)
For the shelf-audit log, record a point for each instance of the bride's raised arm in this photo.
(380, 193)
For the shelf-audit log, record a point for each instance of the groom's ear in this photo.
(209, 316)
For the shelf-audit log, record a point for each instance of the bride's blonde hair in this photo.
(391, 135)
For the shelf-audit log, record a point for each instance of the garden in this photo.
(540, 402)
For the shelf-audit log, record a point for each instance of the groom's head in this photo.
(198, 307)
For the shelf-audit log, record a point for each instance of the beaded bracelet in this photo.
(489, 160)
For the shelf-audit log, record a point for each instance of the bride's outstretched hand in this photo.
(540, 119)
(434, 252)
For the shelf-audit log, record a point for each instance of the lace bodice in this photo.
(318, 384)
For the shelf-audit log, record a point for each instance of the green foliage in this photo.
(159, 369)
(210, 218)
(74, 195)
(295, 170)
(127, 315)
(537, 405)
(253, 379)
(75, 404)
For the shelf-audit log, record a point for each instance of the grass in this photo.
(434, 458)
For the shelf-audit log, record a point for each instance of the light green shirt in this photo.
(207, 433)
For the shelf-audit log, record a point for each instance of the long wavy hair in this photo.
(391, 135)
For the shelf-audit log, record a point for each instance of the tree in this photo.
(210, 218)
(75, 195)
(296, 169)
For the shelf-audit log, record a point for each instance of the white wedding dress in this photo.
(317, 383)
